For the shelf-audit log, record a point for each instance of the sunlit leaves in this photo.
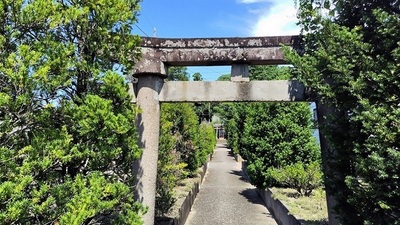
(270, 135)
(67, 130)
(184, 147)
(274, 136)
(351, 62)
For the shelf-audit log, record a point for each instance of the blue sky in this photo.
(216, 18)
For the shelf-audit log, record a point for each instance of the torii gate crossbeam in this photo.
(226, 91)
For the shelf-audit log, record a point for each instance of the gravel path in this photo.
(225, 198)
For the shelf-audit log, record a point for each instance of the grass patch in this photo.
(312, 210)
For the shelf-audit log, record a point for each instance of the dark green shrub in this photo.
(206, 141)
(350, 62)
(270, 135)
(184, 144)
(276, 135)
(184, 147)
(164, 200)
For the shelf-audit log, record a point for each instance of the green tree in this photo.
(170, 169)
(203, 110)
(233, 117)
(67, 136)
(176, 73)
(197, 77)
(184, 145)
(270, 136)
(350, 62)
(225, 77)
(269, 72)
(277, 135)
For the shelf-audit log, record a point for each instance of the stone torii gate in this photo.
(149, 89)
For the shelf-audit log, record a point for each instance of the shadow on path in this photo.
(252, 196)
(239, 173)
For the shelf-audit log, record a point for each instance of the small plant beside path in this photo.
(310, 210)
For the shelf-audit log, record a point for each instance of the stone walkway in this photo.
(225, 198)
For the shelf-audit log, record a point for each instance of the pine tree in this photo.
(67, 131)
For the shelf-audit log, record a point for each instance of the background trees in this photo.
(67, 136)
(350, 60)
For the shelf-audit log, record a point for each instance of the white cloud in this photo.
(278, 19)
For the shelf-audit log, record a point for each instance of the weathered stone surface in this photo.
(219, 42)
(150, 63)
(147, 122)
(226, 91)
(157, 53)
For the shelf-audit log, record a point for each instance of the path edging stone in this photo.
(187, 204)
(184, 210)
(275, 206)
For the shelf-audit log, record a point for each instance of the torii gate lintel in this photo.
(159, 53)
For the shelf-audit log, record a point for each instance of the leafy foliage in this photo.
(67, 131)
(225, 77)
(276, 135)
(350, 61)
(184, 146)
(169, 169)
(176, 73)
(270, 136)
(269, 72)
(302, 177)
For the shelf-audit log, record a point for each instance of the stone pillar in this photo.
(147, 89)
(327, 152)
